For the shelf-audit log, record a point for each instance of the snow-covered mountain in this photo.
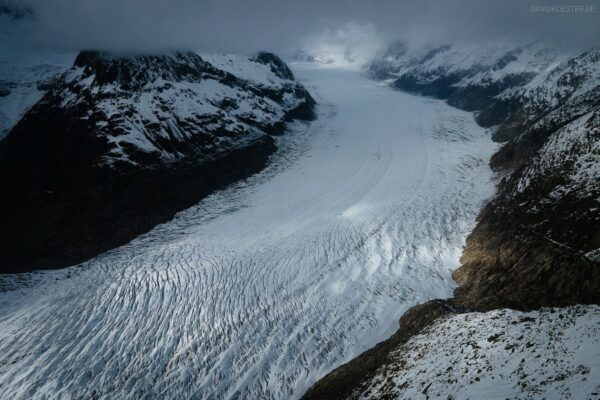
(536, 244)
(543, 103)
(139, 137)
(163, 109)
(468, 76)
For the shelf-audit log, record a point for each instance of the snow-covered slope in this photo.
(512, 86)
(550, 354)
(469, 76)
(572, 154)
(475, 64)
(568, 79)
(553, 189)
(504, 82)
(259, 290)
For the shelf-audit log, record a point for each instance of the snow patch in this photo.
(551, 354)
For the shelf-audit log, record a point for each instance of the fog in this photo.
(285, 26)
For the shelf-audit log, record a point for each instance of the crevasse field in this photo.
(262, 288)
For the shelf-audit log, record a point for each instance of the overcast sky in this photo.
(284, 25)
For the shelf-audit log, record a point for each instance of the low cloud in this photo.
(355, 26)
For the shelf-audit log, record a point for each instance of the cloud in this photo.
(347, 44)
(285, 25)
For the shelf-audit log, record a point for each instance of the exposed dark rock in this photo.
(518, 269)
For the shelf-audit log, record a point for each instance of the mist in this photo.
(288, 26)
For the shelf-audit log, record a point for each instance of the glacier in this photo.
(262, 288)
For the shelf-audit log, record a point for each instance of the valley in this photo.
(262, 288)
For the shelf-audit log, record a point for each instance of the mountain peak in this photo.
(278, 67)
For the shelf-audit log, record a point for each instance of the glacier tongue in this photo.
(262, 288)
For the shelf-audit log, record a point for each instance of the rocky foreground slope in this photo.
(537, 242)
(120, 143)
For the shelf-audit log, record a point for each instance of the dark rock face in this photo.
(70, 210)
(121, 143)
(506, 267)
